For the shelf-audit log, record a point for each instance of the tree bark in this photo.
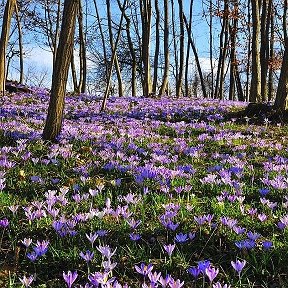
(255, 90)
(9, 9)
(20, 41)
(131, 49)
(281, 100)
(264, 49)
(211, 46)
(82, 52)
(164, 85)
(220, 77)
(104, 102)
(54, 119)
(181, 60)
(157, 47)
(102, 39)
(117, 66)
(271, 54)
(146, 12)
(191, 42)
(187, 66)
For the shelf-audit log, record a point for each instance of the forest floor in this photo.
(150, 193)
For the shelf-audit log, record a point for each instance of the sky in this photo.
(38, 61)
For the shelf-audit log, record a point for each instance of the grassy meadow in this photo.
(151, 193)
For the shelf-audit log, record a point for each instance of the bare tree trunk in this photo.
(211, 46)
(117, 66)
(82, 52)
(272, 54)
(102, 39)
(191, 42)
(104, 102)
(9, 9)
(233, 59)
(157, 47)
(255, 90)
(281, 100)
(20, 40)
(248, 70)
(175, 48)
(74, 74)
(146, 12)
(54, 119)
(131, 49)
(181, 64)
(220, 78)
(264, 49)
(187, 93)
(164, 86)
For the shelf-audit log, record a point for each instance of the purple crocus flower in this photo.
(88, 256)
(267, 245)
(194, 271)
(176, 283)
(92, 237)
(108, 265)
(211, 272)
(238, 265)
(169, 249)
(106, 251)
(154, 277)
(41, 247)
(202, 265)
(181, 238)
(165, 281)
(264, 191)
(144, 269)
(26, 281)
(26, 242)
(70, 278)
(134, 236)
(253, 236)
(32, 256)
(262, 217)
(102, 233)
(4, 223)
(191, 235)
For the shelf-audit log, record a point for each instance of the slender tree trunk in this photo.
(117, 66)
(20, 41)
(223, 53)
(164, 86)
(157, 47)
(187, 66)
(191, 42)
(82, 53)
(9, 9)
(131, 49)
(271, 55)
(74, 74)
(264, 49)
(233, 58)
(281, 100)
(54, 119)
(248, 70)
(102, 39)
(181, 64)
(146, 12)
(211, 46)
(58, 26)
(114, 51)
(255, 90)
(176, 60)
